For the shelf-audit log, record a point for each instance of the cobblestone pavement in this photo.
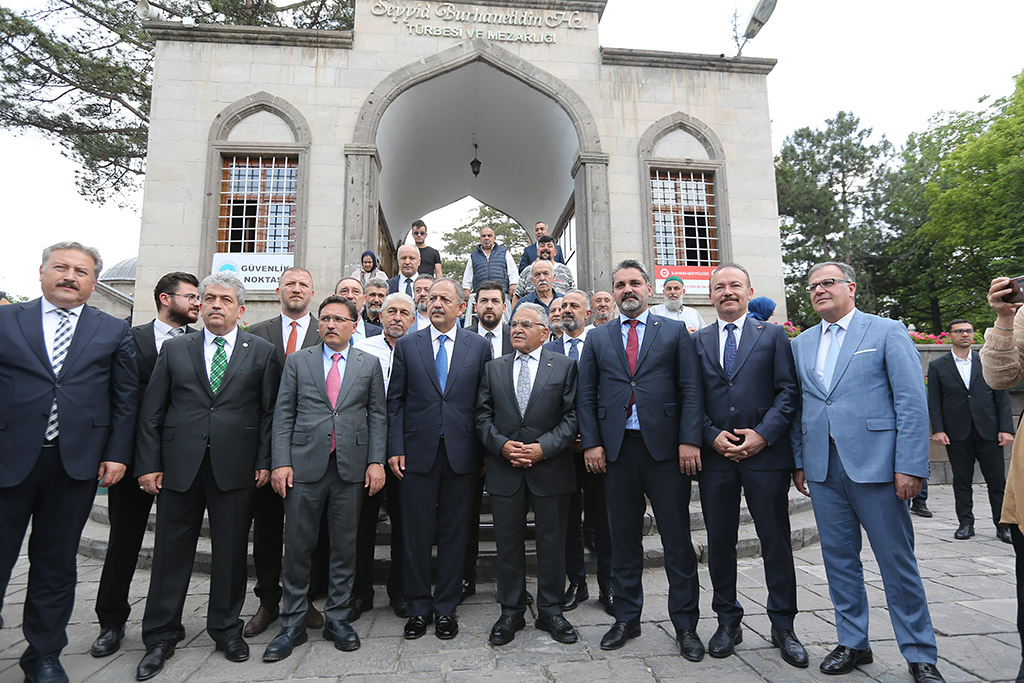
(970, 586)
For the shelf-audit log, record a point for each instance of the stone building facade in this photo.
(274, 146)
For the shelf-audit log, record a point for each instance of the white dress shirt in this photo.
(567, 343)
(531, 366)
(51, 320)
(329, 361)
(723, 334)
(382, 349)
(402, 280)
(300, 329)
(209, 348)
(422, 322)
(826, 341)
(495, 340)
(449, 345)
(510, 267)
(685, 314)
(162, 332)
(963, 366)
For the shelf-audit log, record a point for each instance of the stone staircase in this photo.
(804, 532)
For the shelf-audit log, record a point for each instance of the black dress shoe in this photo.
(235, 650)
(400, 607)
(619, 633)
(504, 629)
(963, 532)
(417, 626)
(48, 670)
(446, 627)
(356, 607)
(1003, 533)
(559, 628)
(468, 589)
(153, 661)
(723, 643)
(843, 660)
(920, 509)
(792, 651)
(606, 597)
(574, 595)
(108, 642)
(925, 673)
(284, 642)
(690, 646)
(341, 633)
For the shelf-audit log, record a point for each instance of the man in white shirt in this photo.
(489, 261)
(408, 265)
(421, 289)
(673, 307)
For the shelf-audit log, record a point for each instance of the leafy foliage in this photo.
(462, 240)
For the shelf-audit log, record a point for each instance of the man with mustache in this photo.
(376, 290)
(641, 412)
(489, 261)
(69, 405)
(604, 308)
(562, 280)
(530, 254)
(542, 275)
(673, 307)
(421, 289)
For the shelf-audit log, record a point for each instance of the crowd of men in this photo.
(301, 425)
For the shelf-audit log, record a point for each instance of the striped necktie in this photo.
(61, 342)
(218, 365)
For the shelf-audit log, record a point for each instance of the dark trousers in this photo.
(767, 494)
(58, 507)
(633, 474)
(1018, 549)
(179, 519)
(366, 541)
(989, 455)
(589, 500)
(444, 498)
(550, 514)
(473, 542)
(129, 508)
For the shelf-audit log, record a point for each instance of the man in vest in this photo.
(489, 261)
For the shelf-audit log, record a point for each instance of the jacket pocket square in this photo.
(864, 351)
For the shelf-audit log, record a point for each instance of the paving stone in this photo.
(610, 671)
(983, 658)
(322, 659)
(953, 619)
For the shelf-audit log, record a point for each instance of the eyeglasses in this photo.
(827, 283)
(968, 331)
(419, 232)
(335, 319)
(191, 298)
(525, 324)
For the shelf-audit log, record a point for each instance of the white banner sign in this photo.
(258, 272)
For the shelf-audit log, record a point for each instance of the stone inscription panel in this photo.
(451, 20)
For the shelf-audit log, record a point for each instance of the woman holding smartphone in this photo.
(1002, 363)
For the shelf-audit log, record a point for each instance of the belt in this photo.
(635, 433)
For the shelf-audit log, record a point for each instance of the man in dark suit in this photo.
(435, 452)
(294, 329)
(530, 253)
(526, 419)
(973, 422)
(640, 412)
(177, 305)
(68, 416)
(588, 497)
(205, 446)
(330, 430)
(408, 266)
(750, 400)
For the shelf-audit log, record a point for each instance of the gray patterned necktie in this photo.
(523, 384)
(61, 342)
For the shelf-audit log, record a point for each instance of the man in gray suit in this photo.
(526, 419)
(330, 430)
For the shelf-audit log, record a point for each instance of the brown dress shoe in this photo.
(260, 621)
(313, 617)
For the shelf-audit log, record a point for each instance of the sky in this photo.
(892, 63)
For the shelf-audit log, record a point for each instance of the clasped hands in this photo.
(522, 454)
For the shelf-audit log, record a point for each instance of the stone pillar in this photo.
(593, 222)
(362, 186)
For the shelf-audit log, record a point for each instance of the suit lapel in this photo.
(615, 330)
(544, 371)
(458, 358)
(195, 351)
(752, 331)
(146, 344)
(30, 319)
(811, 339)
(426, 348)
(316, 370)
(708, 337)
(238, 357)
(353, 362)
(854, 336)
(650, 332)
(88, 323)
(312, 337)
(975, 369)
(508, 372)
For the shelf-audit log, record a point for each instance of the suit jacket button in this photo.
(213, 410)
(732, 409)
(828, 403)
(57, 386)
(203, 436)
(632, 384)
(730, 384)
(335, 413)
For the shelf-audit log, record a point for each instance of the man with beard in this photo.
(647, 365)
(421, 289)
(351, 288)
(490, 306)
(673, 307)
(177, 305)
(589, 494)
(489, 261)
(397, 318)
(294, 329)
(555, 320)
(408, 265)
(530, 254)
(430, 258)
(604, 308)
(376, 290)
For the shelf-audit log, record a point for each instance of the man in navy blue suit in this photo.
(68, 421)
(434, 450)
(750, 400)
(640, 411)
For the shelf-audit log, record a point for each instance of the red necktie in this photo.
(632, 351)
(333, 388)
(292, 338)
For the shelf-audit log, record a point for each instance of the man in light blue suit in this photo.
(862, 444)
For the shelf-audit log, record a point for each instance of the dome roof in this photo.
(125, 270)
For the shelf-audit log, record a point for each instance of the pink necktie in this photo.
(333, 388)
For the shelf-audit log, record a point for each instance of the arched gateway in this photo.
(275, 146)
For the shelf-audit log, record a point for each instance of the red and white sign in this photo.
(695, 278)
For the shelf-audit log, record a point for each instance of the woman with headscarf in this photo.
(761, 307)
(368, 269)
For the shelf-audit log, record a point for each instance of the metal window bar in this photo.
(683, 218)
(258, 204)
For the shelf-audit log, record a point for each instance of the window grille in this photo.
(683, 218)
(257, 204)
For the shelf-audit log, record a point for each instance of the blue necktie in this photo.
(408, 287)
(441, 361)
(729, 353)
(831, 355)
(574, 352)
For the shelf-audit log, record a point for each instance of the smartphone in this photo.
(1016, 295)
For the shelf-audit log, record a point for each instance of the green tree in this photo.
(80, 71)
(824, 180)
(458, 243)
